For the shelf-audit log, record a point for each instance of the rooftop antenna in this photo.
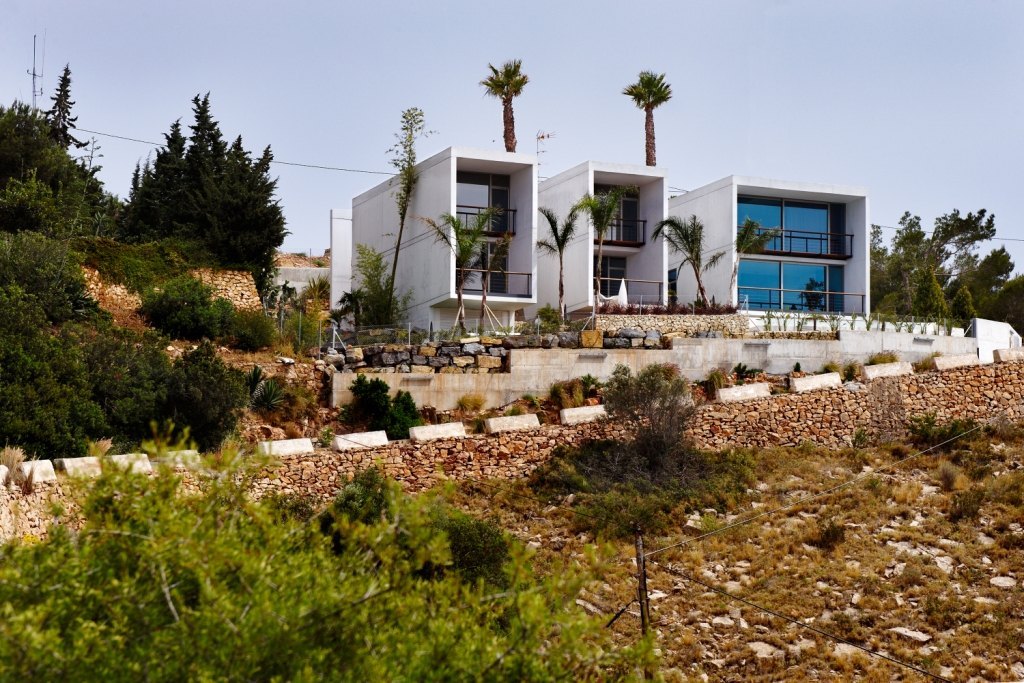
(37, 91)
(541, 137)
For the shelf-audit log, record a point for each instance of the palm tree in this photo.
(687, 238)
(486, 261)
(603, 208)
(465, 241)
(649, 92)
(556, 242)
(506, 84)
(750, 239)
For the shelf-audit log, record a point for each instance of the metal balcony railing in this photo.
(801, 300)
(807, 243)
(637, 291)
(503, 223)
(500, 283)
(628, 232)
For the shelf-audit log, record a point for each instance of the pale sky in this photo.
(921, 102)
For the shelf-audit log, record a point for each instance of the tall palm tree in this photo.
(555, 244)
(465, 240)
(648, 93)
(687, 238)
(750, 239)
(506, 84)
(603, 209)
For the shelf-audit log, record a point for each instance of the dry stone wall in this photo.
(677, 325)
(237, 286)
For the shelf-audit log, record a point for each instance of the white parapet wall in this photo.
(511, 423)
(827, 380)
(447, 430)
(958, 361)
(871, 372)
(1008, 355)
(575, 416)
(186, 459)
(285, 447)
(346, 442)
(137, 463)
(744, 392)
(39, 470)
(79, 467)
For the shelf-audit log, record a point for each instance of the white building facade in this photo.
(462, 182)
(628, 253)
(817, 262)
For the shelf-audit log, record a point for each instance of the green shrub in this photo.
(48, 271)
(479, 549)
(966, 505)
(850, 372)
(252, 330)
(828, 535)
(326, 437)
(373, 407)
(298, 507)
(567, 394)
(796, 367)
(205, 395)
(45, 397)
(882, 357)
(140, 267)
(184, 309)
(550, 320)
(927, 433)
(267, 397)
(297, 403)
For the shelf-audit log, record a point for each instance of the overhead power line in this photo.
(274, 161)
(929, 232)
(796, 622)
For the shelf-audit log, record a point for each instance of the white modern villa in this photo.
(628, 254)
(462, 182)
(819, 260)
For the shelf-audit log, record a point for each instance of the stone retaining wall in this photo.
(237, 286)
(679, 325)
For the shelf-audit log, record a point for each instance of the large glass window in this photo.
(475, 192)
(767, 212)
(807, 227)
(627, 226)
(806, 217)
(791, 286)
(613, 272)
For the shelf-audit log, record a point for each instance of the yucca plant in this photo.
(253, 378)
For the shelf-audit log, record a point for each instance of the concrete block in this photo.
(511, 423)
(592, 339)
(447, 430)
(1008, 355)
(188, 459)
(78, 467)
(40, 470)
(137, 463)
(345, 442)
(575, 416)
(744, 392)
(285, 447)
(958, 361)
(815, 382)
(887, 370)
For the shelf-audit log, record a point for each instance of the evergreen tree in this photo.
(929, 301)
(59, 116)
(962, 307)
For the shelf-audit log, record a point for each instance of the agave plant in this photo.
(268, 397)
(253, 378)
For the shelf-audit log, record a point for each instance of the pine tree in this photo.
(929, 301)
(59, 116)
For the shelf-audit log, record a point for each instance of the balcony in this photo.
(643, 292)
(626, 232)
(502, 224)
(501, 283)
(806, 243)
(799, 300)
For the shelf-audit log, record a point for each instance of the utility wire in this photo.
(810, 497)
(274, 161)
(929, 232)
(685, 576)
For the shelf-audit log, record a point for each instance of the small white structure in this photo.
(826, 380)
(575, 416)
(462, 182)
(341, 254)
(511, 423)
(631, 262)
(285, 447)
(1008, 355)
(447, 430)
(959, 361)
(136, 463)
(819, 260)
(79, 467)
(871, 372)
(743, 392)
(347, 442)
(39, 470)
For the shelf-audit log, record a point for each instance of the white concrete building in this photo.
(341, 254)
(462, 182)
(628, 252)
(818, 262)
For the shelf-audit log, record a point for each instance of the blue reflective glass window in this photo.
(805, 287)
(837, 302)
(804, 216)
(758, 284)
(767, 212)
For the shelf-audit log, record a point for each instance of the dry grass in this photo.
(899, 560)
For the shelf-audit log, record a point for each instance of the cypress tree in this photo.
(962, 308)
(59, 116)
(929, 301)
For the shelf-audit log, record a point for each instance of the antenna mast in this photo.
(35, 91)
